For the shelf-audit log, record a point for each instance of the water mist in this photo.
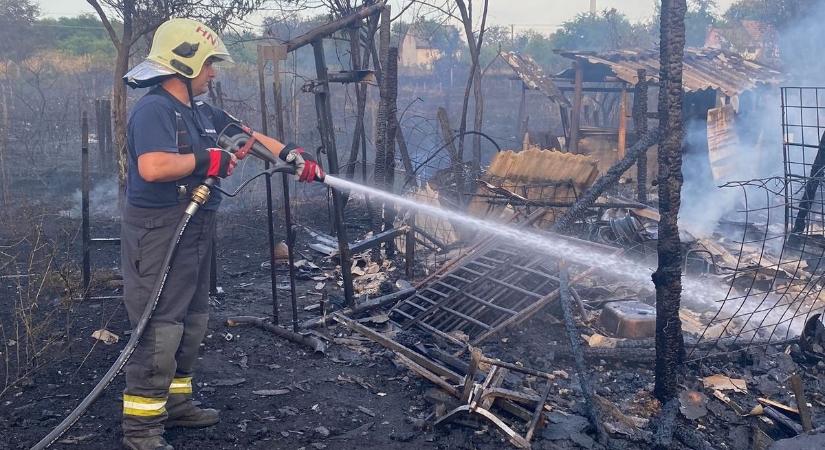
(702, 291)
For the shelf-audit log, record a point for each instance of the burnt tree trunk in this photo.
(473, 80)
(640, 124)
(4, 133)
(123, 45)
(383, 118)
(360, 98)
(478, 120)
(456, 165)
(385, 142)
(670, 348)
(119, 108)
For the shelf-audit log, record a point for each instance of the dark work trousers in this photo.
(165, 355)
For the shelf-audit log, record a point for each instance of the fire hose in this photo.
(241, 142)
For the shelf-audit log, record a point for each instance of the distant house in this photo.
(415, 53)
(751, 39)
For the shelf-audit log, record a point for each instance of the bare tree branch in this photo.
(106, 24)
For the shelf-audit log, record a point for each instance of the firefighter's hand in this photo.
(214, 162)
(306, 168)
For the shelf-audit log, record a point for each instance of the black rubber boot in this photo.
(146, 443)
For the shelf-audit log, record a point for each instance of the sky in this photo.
(541, 15)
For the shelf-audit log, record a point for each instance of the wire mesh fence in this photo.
(774, 278)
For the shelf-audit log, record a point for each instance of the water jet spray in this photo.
(552, 244)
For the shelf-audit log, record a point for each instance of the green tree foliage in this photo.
(780, 13)
(16, 20)
(606, 30)
(81, 35)
(700, 17)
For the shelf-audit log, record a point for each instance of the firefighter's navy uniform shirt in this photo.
(154, 127)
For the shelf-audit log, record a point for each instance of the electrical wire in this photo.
(411, 176)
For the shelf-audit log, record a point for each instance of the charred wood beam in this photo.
(362, 307)
(352, 76)
(579, 209)
(575, 120)
(620, 354)
(378, 239)
(575, 346)
(314, 343)
(517, 368)
(782, 420)
(538, 411)
(427, 374)
(332, 27)
(593, 89)
(802, 402)
(374, 336)
(622, 140)
(85, 183)
(640, 124)
(423, 233)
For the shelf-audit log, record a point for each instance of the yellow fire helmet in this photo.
(180, 46)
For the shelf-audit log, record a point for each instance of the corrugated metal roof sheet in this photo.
(533, 75)
(723, 143)
(704, 68)
(536, 175)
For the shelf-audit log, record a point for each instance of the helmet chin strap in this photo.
(195, 115)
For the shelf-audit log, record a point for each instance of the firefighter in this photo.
(171, 142)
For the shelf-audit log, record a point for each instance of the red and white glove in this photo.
(306, 168)
(214, 162)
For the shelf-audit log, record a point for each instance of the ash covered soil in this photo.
(353, 397)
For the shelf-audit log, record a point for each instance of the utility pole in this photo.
(592, 6)
(512, 37)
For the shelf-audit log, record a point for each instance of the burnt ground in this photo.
(355, 396)
(318, 399)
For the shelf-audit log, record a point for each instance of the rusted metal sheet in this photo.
(704, 68)
(533, 76)
(723, 143)
(545, 175)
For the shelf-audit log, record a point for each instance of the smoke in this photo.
(103, 201)
(754, 152)
(800, 48)
(758, 149)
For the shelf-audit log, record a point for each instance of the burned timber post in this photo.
(670, 349)
(640, 124)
